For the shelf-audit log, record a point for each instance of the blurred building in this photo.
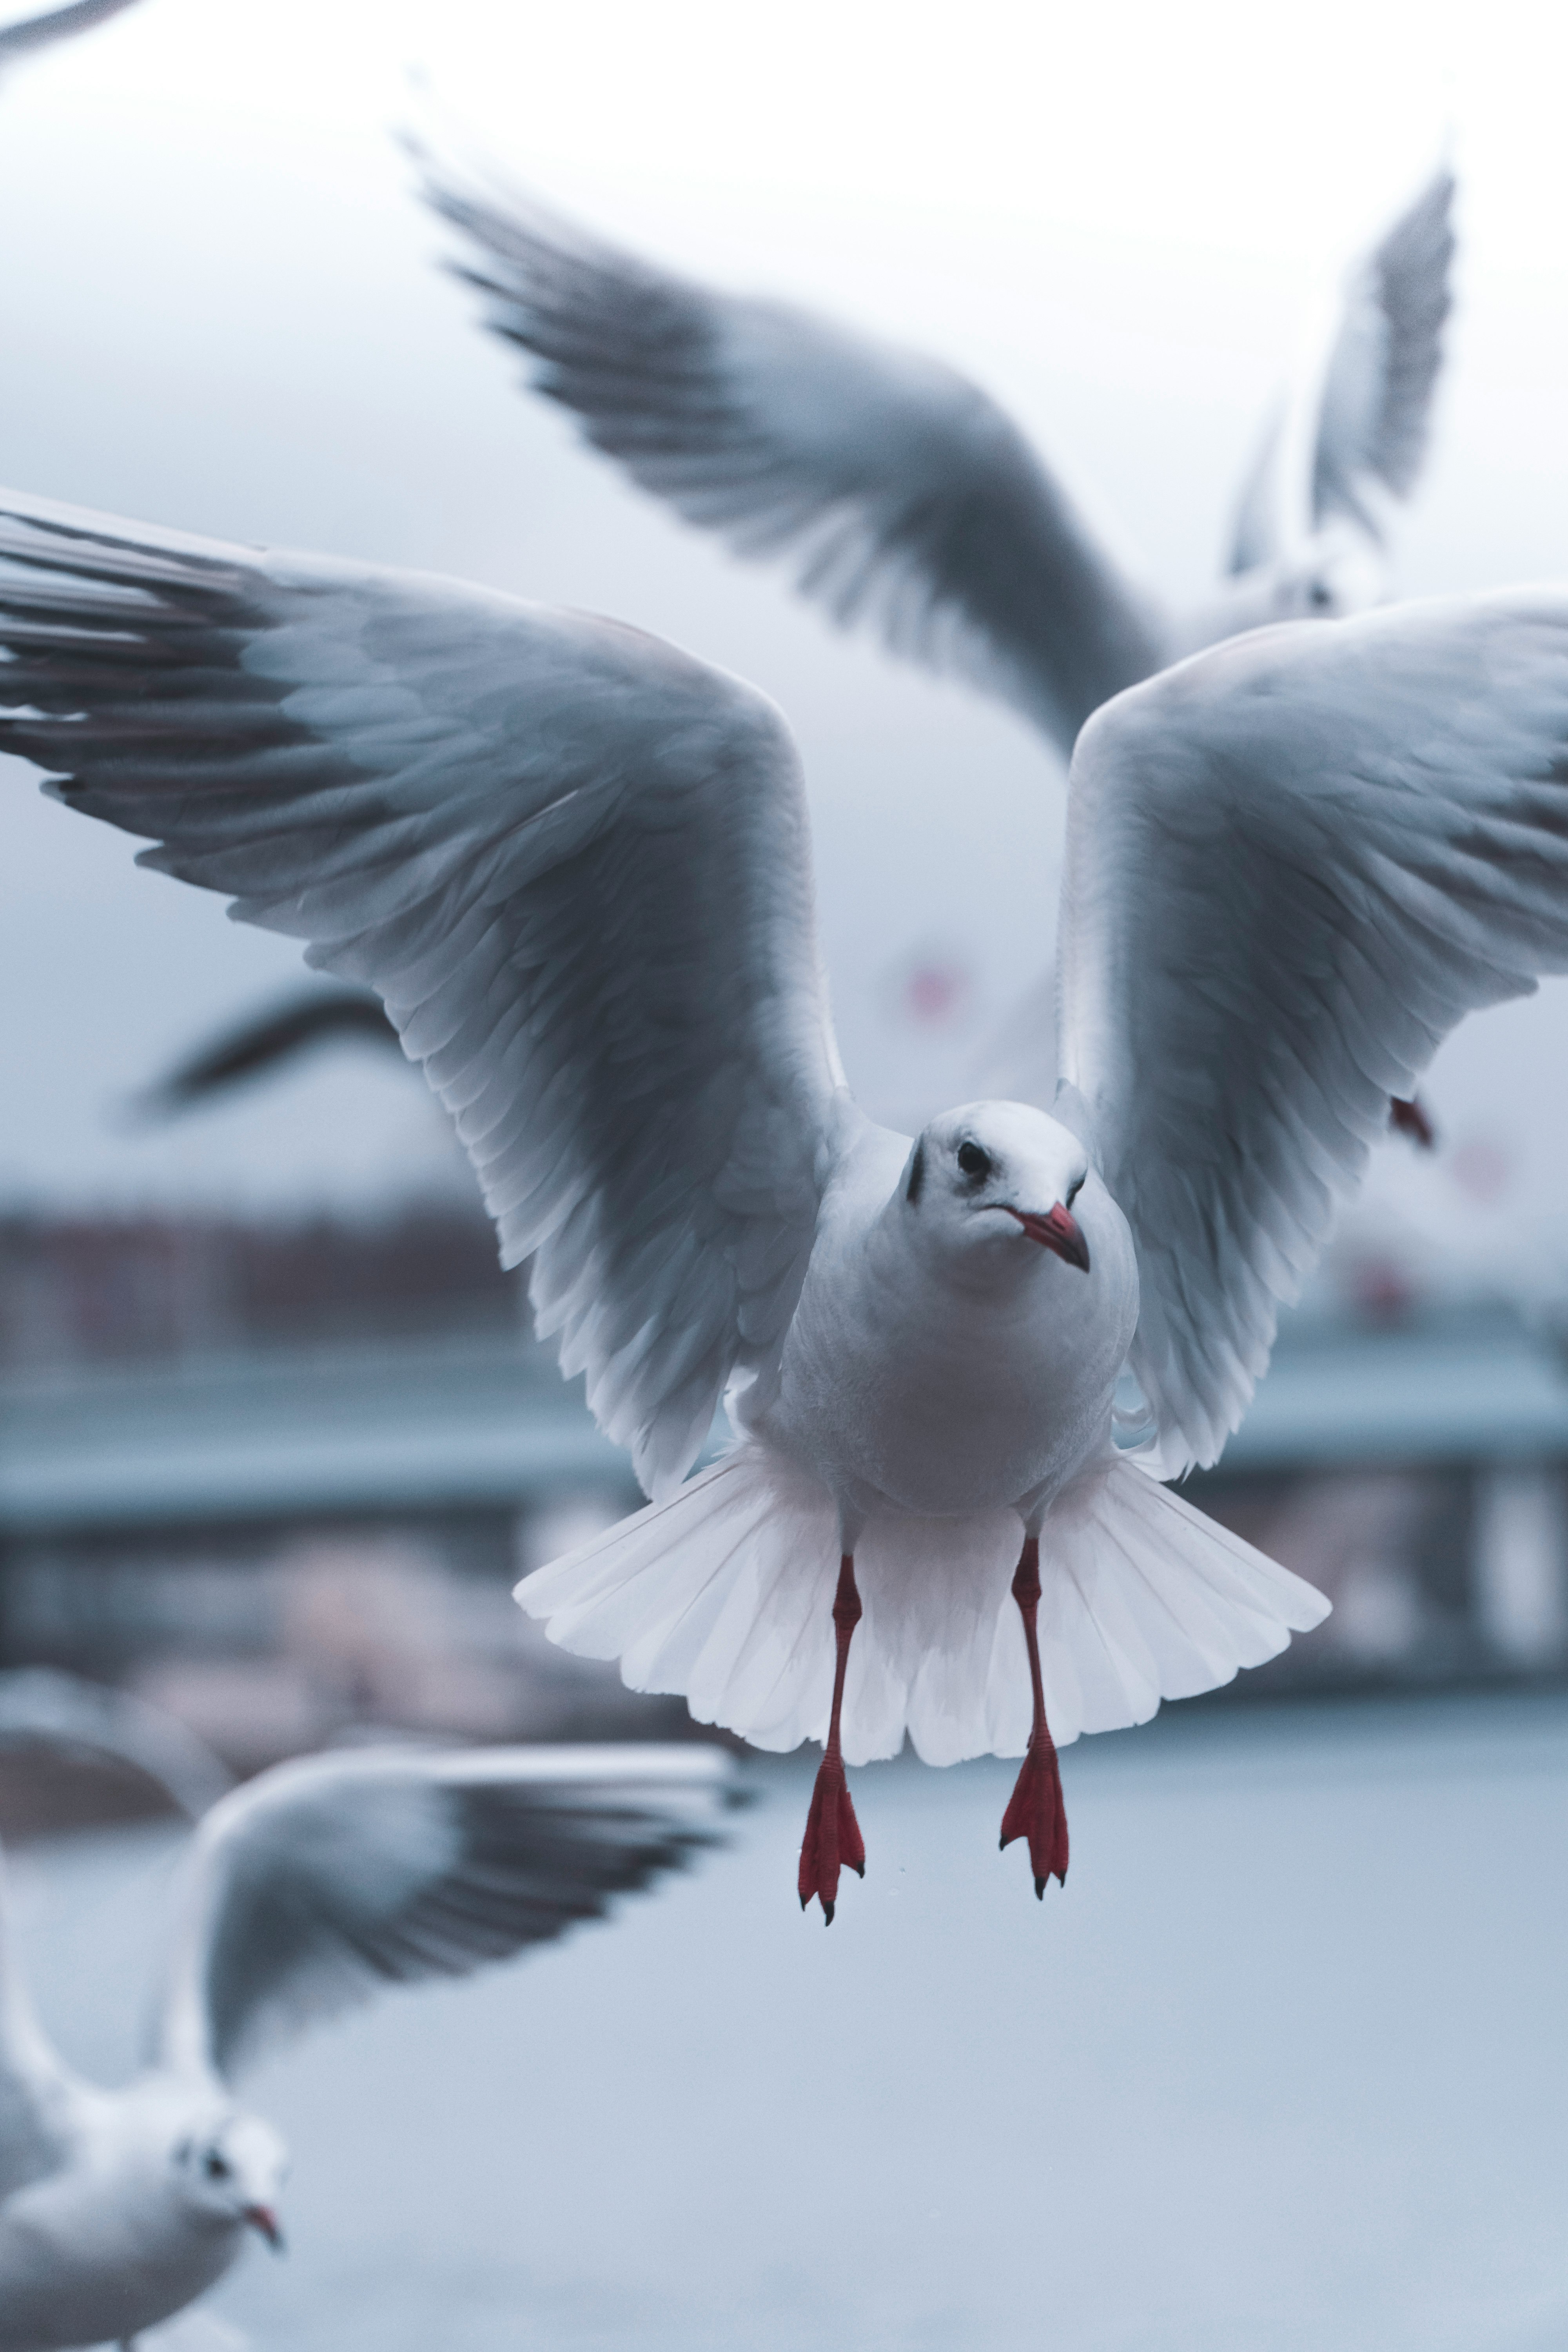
(280, 1479)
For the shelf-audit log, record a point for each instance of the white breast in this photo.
(905, 1381)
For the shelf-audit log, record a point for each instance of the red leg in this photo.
(1036, 1810)
(832, 1833)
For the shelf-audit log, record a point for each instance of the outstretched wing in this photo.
(1293, 863)
(323, 1881)
(905, 493)
(1376, 403)
(572, 862)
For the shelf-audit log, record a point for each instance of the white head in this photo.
(998, 1179)
(229, 2170)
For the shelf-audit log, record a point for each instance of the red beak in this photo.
(265, 2224)
(1055, 1231)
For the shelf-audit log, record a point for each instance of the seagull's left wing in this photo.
(573, 863)
(1294, 862)
(1376, 409)
(311, 1888)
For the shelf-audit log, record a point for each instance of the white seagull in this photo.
(908, 496)
(574, 863)
(303, 1894)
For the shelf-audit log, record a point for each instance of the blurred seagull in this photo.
(907, 495)
(303, 1894)
(574, 863)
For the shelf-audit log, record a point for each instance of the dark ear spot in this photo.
(917, 1173)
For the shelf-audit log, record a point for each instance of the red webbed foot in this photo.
(833, 1839)
(1035, 1810)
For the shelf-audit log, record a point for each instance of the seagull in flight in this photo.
(902, 491)
(906, 496)
(303, 1894)
(261, 1043)
(574, 863)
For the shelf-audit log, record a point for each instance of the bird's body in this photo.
(302, 1893)
(933, 1372)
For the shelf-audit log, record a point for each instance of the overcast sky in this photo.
(222, 312)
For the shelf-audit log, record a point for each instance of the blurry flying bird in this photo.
(907, 495)
(302, 1895)
(575, 862)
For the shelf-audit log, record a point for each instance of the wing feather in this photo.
(572, 862)
(1294, 863)
(322, 1880)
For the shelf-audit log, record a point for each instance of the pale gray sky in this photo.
(221, 313)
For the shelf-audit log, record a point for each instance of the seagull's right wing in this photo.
(574, 862)
(1375, 410)
(904, 490)
(1294, 862)
(324, 1881)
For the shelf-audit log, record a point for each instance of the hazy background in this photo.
(222, 312)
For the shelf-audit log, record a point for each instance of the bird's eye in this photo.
(1073, 1191)
(974, 1161)
(216, 2168)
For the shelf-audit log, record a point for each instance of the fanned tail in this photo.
(724, 1593)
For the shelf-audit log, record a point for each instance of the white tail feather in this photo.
(724, 1593)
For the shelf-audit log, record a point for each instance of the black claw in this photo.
(804, 1901)
(827, 1911)
(1040, 1886)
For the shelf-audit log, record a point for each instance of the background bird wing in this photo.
(1375, 410)
(574, 862)
(1293, 863)
(285, 1028)
(904, 490)
(320, 1882)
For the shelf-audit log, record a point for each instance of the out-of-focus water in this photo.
(1287, 2066)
